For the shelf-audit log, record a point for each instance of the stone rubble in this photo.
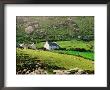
(41, 69)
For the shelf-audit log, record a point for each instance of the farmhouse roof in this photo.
(52, 44)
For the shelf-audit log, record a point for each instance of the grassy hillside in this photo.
(73, 44)
(86, 55)
(54, 59)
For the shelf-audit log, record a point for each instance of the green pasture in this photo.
(54, 59)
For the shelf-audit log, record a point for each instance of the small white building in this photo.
(27, 46)
(51, 45)
(32, 46)
(23, 46)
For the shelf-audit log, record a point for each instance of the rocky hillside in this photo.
(41, 28)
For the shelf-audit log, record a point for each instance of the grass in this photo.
(55, 59)
(40, 45)
(87, 55)
(76, 44)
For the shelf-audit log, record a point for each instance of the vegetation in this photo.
(54, 28)
(72, 45)
(87, 55)
(74, 35)
(54, 59)
(86, 25)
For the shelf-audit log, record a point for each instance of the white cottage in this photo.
(51, 45)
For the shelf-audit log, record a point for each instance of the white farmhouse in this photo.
(51, 45)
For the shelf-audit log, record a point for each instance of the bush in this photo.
(62, 48)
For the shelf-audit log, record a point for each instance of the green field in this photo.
(87, 55)
(54, 59)
(76, 44)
